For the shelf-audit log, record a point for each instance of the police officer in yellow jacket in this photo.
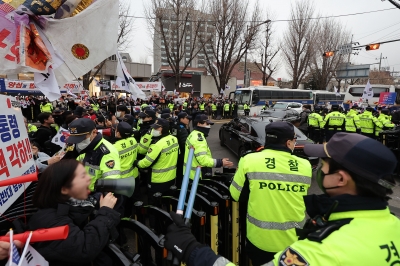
(99, 156)
(386, 121)
(369, 123)
(273, 182)
(46, 107)
(126, 146)
(352, 175)
(246, 109)
(352, 120)
(333, 122)
(359, 231)
(202, 154)
(147, 117)
(314, 121)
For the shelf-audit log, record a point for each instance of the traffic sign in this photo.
(346, 49)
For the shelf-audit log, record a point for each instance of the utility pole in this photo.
(380, 61)
(348, 61)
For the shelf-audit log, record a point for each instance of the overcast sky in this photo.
(366, 28)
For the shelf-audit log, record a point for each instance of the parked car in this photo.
(245, 134)
(287, 105)
(289, 115)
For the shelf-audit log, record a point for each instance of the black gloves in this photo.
(179, 239)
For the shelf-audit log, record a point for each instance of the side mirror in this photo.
(289, 108)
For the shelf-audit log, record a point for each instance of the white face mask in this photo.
(118, 114)
(159, 115)
(83, 144)
(206, 126)
(155, 133)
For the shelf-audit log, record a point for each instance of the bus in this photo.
(327, 98)
(256, 97)
(354, 93)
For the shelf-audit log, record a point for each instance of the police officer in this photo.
(147, 117)
(278, 179)
(214, 110)
(314, 125)
(226, 110)
(182, 134)
(99, 156)
(385, 120)
(171, 106)
(369, 123)
(333, 122)
(95, 106)
(126, 146)
(352, 120)
(46, 106)
(202, 107)
(30, 128)
(246, 109)
(161, 158)
(202, 154)
(356, 189)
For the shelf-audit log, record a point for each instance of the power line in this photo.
(384, 28)
(282, 20)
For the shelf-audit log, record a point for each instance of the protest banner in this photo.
(16, 157)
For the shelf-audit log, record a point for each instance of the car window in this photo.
(296, 105)
(280, 106)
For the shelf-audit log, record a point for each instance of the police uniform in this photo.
(369, 123)
(333, 122)
(246, 109)
(352, 121)
(385, 121)
(314, 126)
(182, 135)
(202, 153)
(32, 128)
(226, 110)
(201, 106)
(361, 230)
(100, 158)
(46, 107)
(95, 106)
(161, 158)
(273, 181)
(145, 131)
(127, 150)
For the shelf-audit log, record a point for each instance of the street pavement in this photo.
(223, 152)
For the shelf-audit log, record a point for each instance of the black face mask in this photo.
(320, 179)
(204, 130)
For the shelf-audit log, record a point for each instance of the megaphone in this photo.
(124, 186)
(105, 132)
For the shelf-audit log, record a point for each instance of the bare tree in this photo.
(125, 29)
(298, 40)
(234, 36)
(329, 35)
(268, 55)
(177, 24)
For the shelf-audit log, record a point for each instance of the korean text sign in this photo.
(15, 151)
(387, 97)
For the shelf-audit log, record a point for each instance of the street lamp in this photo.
(245, 55)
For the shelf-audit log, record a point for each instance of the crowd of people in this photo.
(320, 124)
(151, 141)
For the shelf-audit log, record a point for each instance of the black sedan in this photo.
(245, 134)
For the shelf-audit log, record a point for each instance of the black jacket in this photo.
(85, 241)
(182, 134)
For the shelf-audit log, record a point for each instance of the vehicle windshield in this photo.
(279, 106)
(242, 96)
(260, 128)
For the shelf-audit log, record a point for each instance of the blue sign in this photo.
(387, 97)
(2, 85)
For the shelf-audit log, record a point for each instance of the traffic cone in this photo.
(254, 114)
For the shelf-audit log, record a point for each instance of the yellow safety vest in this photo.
(107, 164)
(202, 153)
(371, 238)
(162, 157)
(127, 150)
(368, 122)
(352, 121)
(277, 182)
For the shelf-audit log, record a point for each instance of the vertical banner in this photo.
(15, 151)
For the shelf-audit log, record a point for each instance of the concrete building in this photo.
(206, 29)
